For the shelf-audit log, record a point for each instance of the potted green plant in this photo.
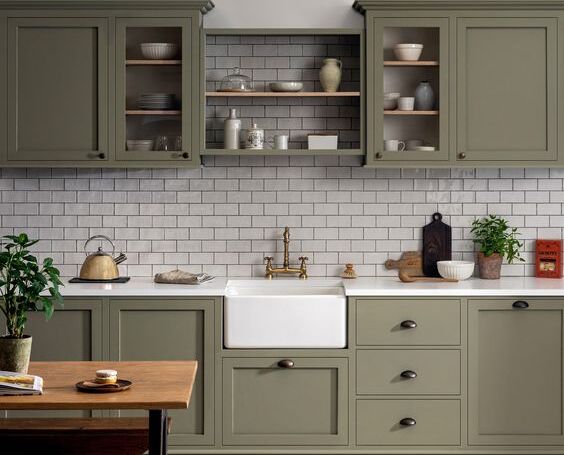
(23, 281)
(497, 241)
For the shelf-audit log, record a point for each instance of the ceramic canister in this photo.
(254, 138)
(424, 97)
(231, 131)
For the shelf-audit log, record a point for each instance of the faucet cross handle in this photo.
(303, 260)
(268, 260)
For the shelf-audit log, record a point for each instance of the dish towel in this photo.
(181, 277)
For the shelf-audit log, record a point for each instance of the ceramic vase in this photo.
(330, 74)
(15, 354)
(231, 131)
(254, 139)
(489, 267)
(424, 97)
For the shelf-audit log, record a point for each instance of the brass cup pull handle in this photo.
(286, 363)
(520, 305)
(408, 422)
(408, 324)
(408, 374)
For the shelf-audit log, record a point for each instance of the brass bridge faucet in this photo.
(271, 271)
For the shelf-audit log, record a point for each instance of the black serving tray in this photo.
(121, 279)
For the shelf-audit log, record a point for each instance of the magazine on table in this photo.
(20, 384)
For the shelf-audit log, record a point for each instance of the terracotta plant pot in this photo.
(15, 353)
(489, 267)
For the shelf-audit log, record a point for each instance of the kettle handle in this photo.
(102, 237)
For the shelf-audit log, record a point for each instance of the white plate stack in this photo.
(156, 101)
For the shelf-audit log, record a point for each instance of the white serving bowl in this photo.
(286, 86)
(159, 51)
(408, 52)
(140, 145)
(391, 101)
(456, 270)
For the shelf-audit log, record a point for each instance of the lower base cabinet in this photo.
(171, 329)
(275, 401)
(408, 422)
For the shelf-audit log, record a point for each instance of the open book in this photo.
(20, 384)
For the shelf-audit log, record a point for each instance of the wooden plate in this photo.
(123, 384)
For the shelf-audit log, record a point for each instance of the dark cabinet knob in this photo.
(185, 155)
(102, 156)
(408, 374)
(379, 156)
(409, 324)
(462, 156)
(99, 156)
(286, 363)
(407, 422)
(520, 305)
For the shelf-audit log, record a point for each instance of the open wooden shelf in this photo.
(283, 94)
(150, 112)
(288, 152)
(153, 62)
(397, 112)
(411, 63)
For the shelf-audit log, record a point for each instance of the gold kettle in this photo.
(101, 265)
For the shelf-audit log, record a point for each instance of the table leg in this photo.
(158, 432)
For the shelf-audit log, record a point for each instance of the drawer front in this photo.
(383, 422)
(408, 372)
(265, 402)
(404, 322)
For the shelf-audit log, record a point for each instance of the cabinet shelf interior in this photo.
(283, 94)
(411, 63)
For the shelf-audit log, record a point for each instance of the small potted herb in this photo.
(22, 283)
(497, 241)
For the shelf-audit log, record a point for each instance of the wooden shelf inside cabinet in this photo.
(147, 112)
(411, 63)
(407, 113)
(288, 152)
(153, 62)
(282, 94)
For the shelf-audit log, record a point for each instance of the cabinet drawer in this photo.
(387, 322)
(269, 402)
(391, 372)
(436, 422)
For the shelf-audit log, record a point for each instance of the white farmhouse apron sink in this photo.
(284, 314)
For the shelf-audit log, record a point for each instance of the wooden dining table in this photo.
(157, 387)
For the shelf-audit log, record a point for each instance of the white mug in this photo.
(279, 142)
(394, 145)
(406, 103)
(412, 144)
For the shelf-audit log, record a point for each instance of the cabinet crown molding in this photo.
(203, 5)
(381, 5)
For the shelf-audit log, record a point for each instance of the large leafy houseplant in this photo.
(497, 240)
(23, 282)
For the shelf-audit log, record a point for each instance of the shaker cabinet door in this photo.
(57, 89)
(507, 89)
(171, 329)
(515, 382)
(3, 92)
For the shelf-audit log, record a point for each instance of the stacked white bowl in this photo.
(408, 51)
(159, 51)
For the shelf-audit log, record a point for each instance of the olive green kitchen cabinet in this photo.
(515, 379)
(171, 329)
(507, 95)
(57, 89)
(273, 401)
(3, 92)
(75, 332)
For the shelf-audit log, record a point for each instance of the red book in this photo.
(549, 259)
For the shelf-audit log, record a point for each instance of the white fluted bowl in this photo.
(456, 270)
(159, 51)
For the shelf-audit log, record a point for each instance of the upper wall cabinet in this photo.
(507, 89)
(78, 86)
(493, 67)
(57, 89)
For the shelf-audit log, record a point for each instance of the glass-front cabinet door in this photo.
(156, 89)
(407, 90)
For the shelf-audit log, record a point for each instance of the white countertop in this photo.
(381, 286)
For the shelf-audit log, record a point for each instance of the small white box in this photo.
(322, 141)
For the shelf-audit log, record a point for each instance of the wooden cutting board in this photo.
(437, 244)
(409, 261)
